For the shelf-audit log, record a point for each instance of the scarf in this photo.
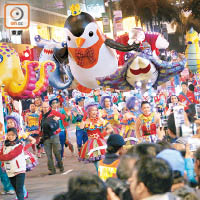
(12, 143)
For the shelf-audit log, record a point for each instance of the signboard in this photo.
(118, 25)
(106, 23)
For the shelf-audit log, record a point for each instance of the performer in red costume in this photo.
(148, 124)
(95, 148)
(186, 97)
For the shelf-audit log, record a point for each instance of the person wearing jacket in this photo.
(108, 166)
(50, 136)
(12, 155)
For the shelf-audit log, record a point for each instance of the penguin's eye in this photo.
(91, 33)
(68, 38)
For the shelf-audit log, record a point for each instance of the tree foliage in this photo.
(149, 10)
(194, 6)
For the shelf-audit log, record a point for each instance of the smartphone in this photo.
(197, 107)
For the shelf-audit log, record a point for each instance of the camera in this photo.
(120, 188)
(164, 122)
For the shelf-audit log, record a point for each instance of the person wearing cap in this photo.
(78, 113)
(108, 166)
(55, 105)
(49, 131)
(177, 163)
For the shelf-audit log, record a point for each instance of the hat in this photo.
(15, 119)
(174, 158)
(53, 98)
(102, 101)
(79, 98)
(115, 140)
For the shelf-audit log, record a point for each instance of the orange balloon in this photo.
(83, 89)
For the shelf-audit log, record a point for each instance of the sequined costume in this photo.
(149, 127)
(128, 128)
(95, 148)
(113, 116)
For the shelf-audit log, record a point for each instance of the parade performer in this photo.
(32, 126)
(95, 148)
(186, 97)
(128, 123)
(110, 113)
(13, 157)
(148, 124)
(78, 113)
(38, 104)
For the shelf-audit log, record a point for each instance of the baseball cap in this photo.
(115, 140)
(174, 158)
(53, 99)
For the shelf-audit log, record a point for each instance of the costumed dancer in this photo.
(78, 113)
(128, 123)
(95, 148)
(110, 113)
(32, 126)
(148, 124)
(38, 104)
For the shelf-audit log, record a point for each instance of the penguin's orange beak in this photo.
(79, 42)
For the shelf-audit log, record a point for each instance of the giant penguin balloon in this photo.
(90, 54)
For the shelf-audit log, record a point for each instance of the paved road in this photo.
(43, 187)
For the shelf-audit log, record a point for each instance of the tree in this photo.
(194, 6)
(149, 11)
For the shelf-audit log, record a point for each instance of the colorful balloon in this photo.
(17, 84)
(193, 51)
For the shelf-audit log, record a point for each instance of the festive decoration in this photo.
(142, 68)
(90, 54)
(54, 77)
(155, 40)
(193, 51)
(75, 9)
(18, 85)
(150, 43)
